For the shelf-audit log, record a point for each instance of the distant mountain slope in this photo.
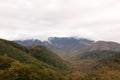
(69, 43)
(97, 55)
(105, 45)
(29, 42)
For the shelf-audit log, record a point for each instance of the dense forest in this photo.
(18, 62)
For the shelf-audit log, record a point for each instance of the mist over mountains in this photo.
(68, 44)
(59, 40)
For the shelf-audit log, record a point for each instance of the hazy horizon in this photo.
(40, 19)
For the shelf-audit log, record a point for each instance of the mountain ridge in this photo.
(70, 44)
(19, 62)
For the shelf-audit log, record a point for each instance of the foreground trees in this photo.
(11, 69)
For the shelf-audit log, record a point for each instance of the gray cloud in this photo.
(94, 19)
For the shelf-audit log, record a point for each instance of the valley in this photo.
(59, 40)
(59, 59)
(83, 56)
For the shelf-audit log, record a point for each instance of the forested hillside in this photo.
(97, 55)
(100, 65)
(39, 63)
(22, 63)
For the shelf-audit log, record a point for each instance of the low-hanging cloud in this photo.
(94, 19)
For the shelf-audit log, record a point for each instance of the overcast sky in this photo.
(94, 19)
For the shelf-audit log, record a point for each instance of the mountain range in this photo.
(35, 61)
(70, 45)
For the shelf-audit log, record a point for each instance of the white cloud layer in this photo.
(94, 19)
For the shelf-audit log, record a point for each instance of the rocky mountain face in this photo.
(70, 43)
